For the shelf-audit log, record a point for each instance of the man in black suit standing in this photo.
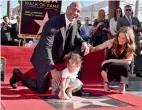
(59, 36)
(6, 32)
(15, 32)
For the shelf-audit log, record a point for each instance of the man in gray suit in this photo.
(129, 20)
(59, 36)
(133, 22)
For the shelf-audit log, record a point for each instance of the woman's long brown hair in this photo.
(115, 15)
(129, 47)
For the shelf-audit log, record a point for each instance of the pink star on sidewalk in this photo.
(42, 22)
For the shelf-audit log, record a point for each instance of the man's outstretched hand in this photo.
(85, 48)
(56, 76)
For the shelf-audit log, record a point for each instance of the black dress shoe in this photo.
(85, 93)
(82, 93)
(15, 78)
(78, 93)
(139, 75)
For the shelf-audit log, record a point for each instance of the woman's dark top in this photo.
(112, 56)
(115, 70)
(100, 35)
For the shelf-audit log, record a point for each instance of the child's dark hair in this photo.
(73, 56)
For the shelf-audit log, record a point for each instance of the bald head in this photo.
(75, 4)
(73, 11)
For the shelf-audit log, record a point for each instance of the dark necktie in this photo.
(129, 19)
(67, 40)
(68, 30)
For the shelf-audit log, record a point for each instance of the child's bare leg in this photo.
(69, 92)
(62, 94)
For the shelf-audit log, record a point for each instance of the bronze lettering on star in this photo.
(35, 14)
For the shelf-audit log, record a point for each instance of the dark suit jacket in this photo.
(124, 22)
(6, 32)
(50, 48)
(15, 31)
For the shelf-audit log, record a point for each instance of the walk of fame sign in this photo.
(34, 14)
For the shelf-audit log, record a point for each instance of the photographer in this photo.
(101, 29)
(6, 32)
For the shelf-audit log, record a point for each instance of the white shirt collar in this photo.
(127, 16)
(67, 20)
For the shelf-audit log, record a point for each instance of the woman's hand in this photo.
(105, 29)
(101, 23)
(92, 49)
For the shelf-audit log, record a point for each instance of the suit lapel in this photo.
(63, 34)
(17, 27)
(133, 20)
(73, 33)
(63, 23)
(126, 20)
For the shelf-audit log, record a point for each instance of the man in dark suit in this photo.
(133, 22)
(15, 32)
(6, 32)
(59, 36)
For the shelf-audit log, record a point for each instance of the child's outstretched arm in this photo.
(63, 84)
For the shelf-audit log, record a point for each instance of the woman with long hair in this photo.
(121, 52)
(101, 28)
(113, 21)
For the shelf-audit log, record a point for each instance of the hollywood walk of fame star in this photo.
(42, 22)
(81, 102)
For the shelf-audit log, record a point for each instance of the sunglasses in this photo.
(118, 11)
(128, 9)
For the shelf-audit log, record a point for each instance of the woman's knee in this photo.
(125, 70)
(103, 73)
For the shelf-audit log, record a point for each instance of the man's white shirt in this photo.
(64, 29)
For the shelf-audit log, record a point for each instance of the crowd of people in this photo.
(63, 40)
(104, 29)
(10, 34)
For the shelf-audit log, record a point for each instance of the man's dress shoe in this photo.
(82, 93)
(15, 78)
(139, 75)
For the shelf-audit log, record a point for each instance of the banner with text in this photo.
(34, 14)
